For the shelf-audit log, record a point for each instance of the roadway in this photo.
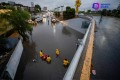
(106, 55)
(47, 37)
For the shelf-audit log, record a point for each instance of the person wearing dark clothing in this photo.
(101, 17)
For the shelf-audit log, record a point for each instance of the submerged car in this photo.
(44, 16)
(54, 20)
(38, 18)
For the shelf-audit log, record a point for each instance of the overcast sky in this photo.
(51, 4)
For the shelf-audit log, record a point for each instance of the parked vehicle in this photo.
(81, 14)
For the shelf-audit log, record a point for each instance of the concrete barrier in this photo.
(73, 65)
(14, 60)
(85, 74)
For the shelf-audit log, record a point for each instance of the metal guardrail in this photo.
(73, 65)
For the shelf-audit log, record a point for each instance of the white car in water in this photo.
(54, 20)
(44, 16)
(38, 18)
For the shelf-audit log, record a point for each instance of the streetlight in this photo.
(58, 8)
(62, 8)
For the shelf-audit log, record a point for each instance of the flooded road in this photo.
(47, 37)
(106, 56)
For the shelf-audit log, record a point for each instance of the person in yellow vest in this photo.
(48, 59)
(41, 53)
(65, 62)
(57, 52)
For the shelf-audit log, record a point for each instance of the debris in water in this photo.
(94, 72)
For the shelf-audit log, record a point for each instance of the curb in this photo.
(85, 75)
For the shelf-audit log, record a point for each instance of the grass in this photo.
(4, 30)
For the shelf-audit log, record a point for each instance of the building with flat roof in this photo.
(11, 2)
(44, 8)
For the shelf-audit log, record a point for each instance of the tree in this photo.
(114, 11)
(10, 7)
(68, 7)
(18, 19)
(118, 8)
(88, 11)
(5, 4)
(69, 13)
(104, 12)
(109, 12)
(3, 24)
(57, 14)
(37, 8)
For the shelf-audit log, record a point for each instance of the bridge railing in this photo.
(74, 63)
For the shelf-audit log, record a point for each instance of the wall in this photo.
(14, 60)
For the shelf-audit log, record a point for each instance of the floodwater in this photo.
(106, 56)
(47, 37)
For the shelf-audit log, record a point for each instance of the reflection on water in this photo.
(29, 53)
(44, 20)
(53, 27)
(85, 24)
(66, 31)
(64, 24)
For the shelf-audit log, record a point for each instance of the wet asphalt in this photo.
(106, 56)
(47, 37)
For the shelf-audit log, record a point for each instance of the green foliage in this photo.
(68, 8)
(4, 3)
(81, 12)
(114, 12)
(109, 12)
(69, 13)
(88, 11)
(18, 19)
(3, 24)
(10, 7)
(37, 8)
(19, 8)
(104, 12)
(7, 6)
(57, 14)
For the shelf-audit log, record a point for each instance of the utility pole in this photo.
(62, 12)
(62, 8)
